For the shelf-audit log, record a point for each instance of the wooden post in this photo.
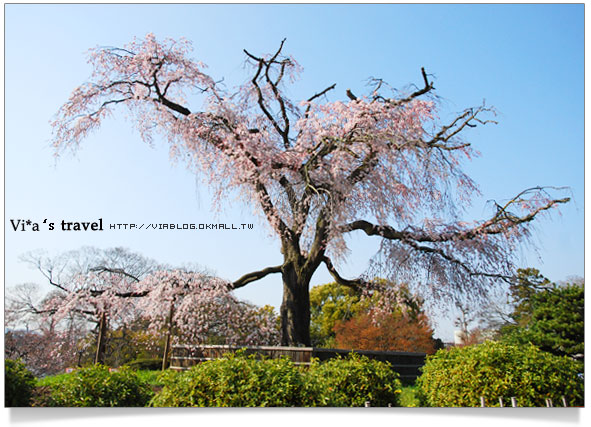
(549, 403)
(514, 402)
(482, 405)
(100, 343)
(564, 402)
(168, 334)
(501, 402)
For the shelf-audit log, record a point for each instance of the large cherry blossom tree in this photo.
(382, 164)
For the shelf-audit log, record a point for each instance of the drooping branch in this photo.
(499, 223)
(256, 275)
(455, 261)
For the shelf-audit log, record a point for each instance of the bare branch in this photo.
(256, 275)
(441, 139)
(356, 284)
(105, 269)
(321, 93)
(427, 88)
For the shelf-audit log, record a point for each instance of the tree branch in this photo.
(356, 284)
(441, 139)
(498, 224)
(256, 275)
(427, 88)
(104, 269)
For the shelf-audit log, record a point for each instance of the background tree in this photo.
(144, 303)
(380, 164)
(396, 331)
(93, 286)
(527, 284)
(548, 315)
(329, 304)
(196, 308)
(390, 319)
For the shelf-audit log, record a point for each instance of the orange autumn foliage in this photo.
(394, 332)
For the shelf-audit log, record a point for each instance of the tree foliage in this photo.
(527, 284)
(547, 315)
(333, 305)
(329, 304)
(392, 332)
(316, 171)
(19, 383)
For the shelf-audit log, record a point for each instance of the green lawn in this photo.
(408, 397)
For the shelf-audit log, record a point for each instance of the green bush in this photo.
(19, 384)
(240, 381)
(352, 381)
(460, 376)
(145, 364)
(96, 386)
(233, 381)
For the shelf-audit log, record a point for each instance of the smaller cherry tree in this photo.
(115, 288)
(196, 308)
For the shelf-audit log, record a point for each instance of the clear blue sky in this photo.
(526, 60)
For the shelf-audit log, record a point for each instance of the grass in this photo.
(51, 380)
(408, 397)
(151, 377)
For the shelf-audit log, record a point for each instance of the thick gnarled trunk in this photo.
(295, 308)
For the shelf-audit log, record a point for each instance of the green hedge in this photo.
(353, 381)
(95, 386)
(240, 381)
(233, 381)
(19, 384)
(460, 376)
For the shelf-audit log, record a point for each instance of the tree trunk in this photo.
(295, 308)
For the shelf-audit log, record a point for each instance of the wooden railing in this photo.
(405, 363)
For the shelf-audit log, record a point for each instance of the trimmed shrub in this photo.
(19, 384)
(352, 381)
(95, 386)
(460, 376)
(235, 380)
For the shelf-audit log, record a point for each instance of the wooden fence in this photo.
(405, 363)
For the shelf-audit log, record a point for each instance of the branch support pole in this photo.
(100, 345)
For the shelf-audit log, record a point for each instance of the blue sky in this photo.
(525, 60)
